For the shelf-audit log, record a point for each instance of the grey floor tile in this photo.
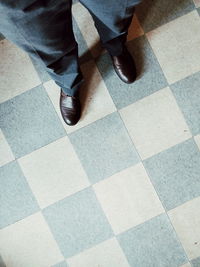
(104, 147)
(195, 262)
(29, 121)
(175, 174)
(17, 200)
(151, 77)
(153, 243)
(78, 222)
(187, 95)
(153, 14)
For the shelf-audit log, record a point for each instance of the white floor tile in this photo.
(6, 154)
(17, 73)
(106, 254)
(96, 100)
(186, 221)
(29, 243)
(54, 172)
(155, 123)
(128, 198)
(176, 45)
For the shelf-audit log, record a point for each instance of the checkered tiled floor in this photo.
(122, 188)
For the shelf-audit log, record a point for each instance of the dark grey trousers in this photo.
(43, 28)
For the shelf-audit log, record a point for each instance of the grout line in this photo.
(155, 191)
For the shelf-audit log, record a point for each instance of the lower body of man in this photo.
(43, 28)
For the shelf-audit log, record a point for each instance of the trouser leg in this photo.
(43, 28)
(112, 19)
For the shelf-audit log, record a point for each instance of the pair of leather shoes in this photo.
(124, 67)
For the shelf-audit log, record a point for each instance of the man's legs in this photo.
(43, 28)
(112, 19)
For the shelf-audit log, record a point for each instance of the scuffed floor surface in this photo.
(122, 188)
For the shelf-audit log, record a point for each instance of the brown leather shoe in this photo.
(70, 108)
(124, 66)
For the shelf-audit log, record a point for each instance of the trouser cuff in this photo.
(71, 91)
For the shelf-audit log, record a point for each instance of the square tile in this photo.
(93, 93)
(197, 140)
(87, 28)
(187, 95)
(29, 121)
(175, 174)
(106, 254)
(77, 222)
(29, 242)
(196, 262)
(6, 154)
(150, 76)
(155, 123)
(54, 172)
(176, 46)
(153, 243)
(186, 221)
(17, 200)
(17, 73)
(104, 147)
(153, 14)
(128, 198)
